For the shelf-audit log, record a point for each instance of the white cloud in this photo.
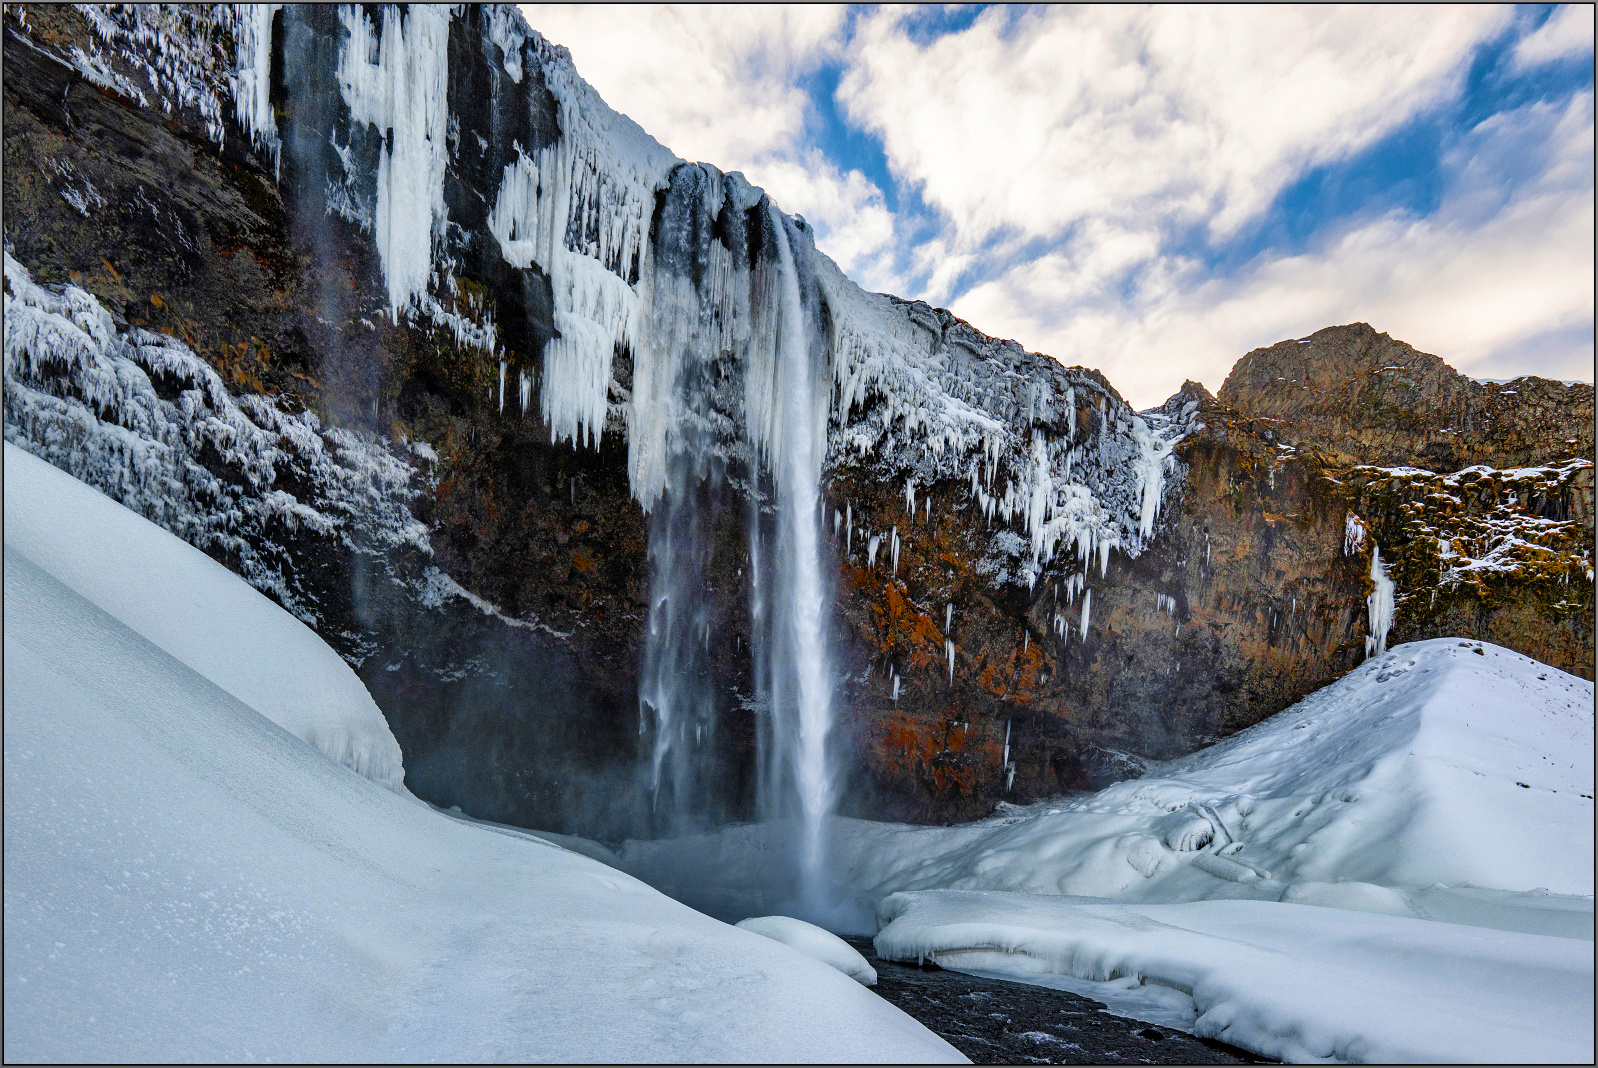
(717, 84)
(1478, 283)
(1031, 122)
(1568, 32)
(722, 84)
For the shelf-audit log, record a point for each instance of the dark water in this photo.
(995, 1022)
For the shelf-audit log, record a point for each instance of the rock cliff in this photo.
(386, 310)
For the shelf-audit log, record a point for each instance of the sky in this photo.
(1154, 192)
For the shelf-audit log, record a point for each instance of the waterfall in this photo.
(716, 315)
(801, 673)
(671, 417)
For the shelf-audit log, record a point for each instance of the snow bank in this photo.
(1451, 779)
(198, 611)
(815, 942)
(185, 881)
(1285, 981)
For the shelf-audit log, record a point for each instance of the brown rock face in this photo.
(1360, 397)
(1243, 604)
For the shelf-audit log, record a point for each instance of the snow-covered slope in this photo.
(193, 608)
(1445, 779)
(187, 881)
(1286, 981)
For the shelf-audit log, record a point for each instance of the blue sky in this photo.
(1153, 192)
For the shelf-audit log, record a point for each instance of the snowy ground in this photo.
(187, 880)
(1439, 798)
(198, 611)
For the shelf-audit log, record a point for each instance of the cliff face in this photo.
(1360, 397)
(485, 385)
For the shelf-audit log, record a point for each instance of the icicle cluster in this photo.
(1353, 534)
(79, 393)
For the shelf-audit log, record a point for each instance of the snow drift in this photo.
(815, 942)
(185, 880)
(1296, 983)
(199, 612)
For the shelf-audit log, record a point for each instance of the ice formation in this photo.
(397, 81)
(80, 393)
(1379, 605)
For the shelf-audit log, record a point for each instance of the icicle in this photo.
(910, 497)
(948, 647)
(896, 689)
(1353, 534)
(1379, 605)
(1087, 605)
(526, 390)
(871, 549)
(1026, 641)
(399, 85)
(837, 521)
(501, 387)
(895, 550)
(948, 616)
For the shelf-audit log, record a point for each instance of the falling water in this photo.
(802, 677)
(721, 313)
(676, 695)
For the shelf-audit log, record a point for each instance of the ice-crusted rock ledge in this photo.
(138, 416)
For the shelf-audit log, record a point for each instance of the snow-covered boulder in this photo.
(815, 942)
(198, 611)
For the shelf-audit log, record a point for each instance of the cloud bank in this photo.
(1154, 191)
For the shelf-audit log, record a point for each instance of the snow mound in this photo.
(1286, 981)
(1443, 780)
(815, 942)
(198, 611)
(185, 881)
(1443, 761)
